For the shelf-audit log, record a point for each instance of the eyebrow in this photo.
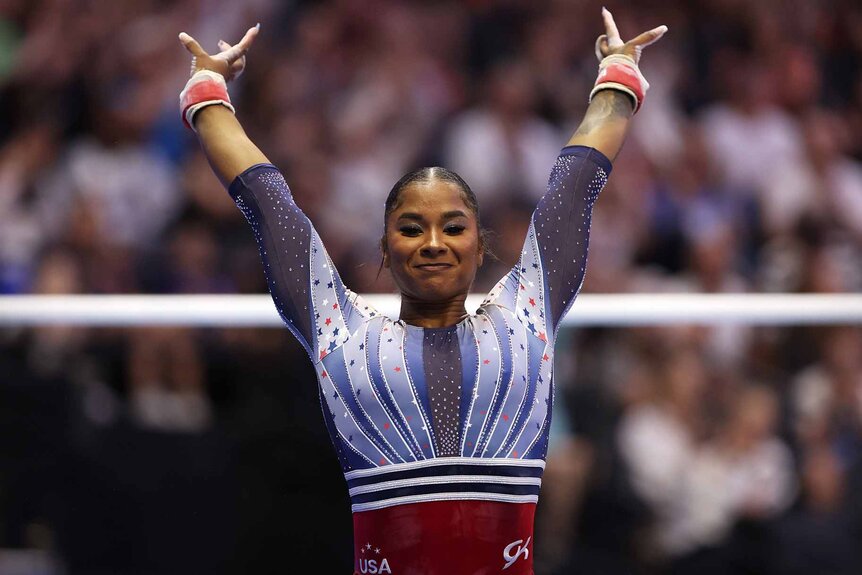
(420, 217)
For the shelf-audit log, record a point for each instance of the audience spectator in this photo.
(658, 440)
(736, 483)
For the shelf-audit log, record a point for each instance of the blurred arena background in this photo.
(685, 449)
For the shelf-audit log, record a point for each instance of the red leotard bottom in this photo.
(445, 538)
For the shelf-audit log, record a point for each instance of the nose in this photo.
(434, 246)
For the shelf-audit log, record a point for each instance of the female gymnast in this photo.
(440, 419)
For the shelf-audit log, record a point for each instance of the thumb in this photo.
(192, 45)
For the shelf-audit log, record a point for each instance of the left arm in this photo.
(619, 91)
(546, 280)
(561, 222)
(605, 124)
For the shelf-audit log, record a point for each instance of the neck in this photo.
(432, 314)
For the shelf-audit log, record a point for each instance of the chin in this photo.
(441, 288)
(433, 292)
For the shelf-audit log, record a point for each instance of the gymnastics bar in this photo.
(588, 310)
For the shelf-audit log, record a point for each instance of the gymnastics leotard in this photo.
(441, 432)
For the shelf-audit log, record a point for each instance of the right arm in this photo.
(227, 147)
(305, 287)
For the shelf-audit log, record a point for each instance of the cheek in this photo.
(396, 253)
(389, 246)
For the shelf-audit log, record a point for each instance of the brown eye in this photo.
(454, 229)
(410, 231)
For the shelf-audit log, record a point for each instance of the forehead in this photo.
(430, 198)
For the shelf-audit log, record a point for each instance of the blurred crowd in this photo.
(678, 450)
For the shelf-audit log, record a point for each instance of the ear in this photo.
(481, 251)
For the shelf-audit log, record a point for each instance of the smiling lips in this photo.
(434, 266)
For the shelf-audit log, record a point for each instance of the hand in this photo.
(230, 62)
(611, 43)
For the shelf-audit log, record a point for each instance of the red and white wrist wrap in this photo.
(621, 72)
(204, 88)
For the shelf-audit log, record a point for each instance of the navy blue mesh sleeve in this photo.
(283, 235)
(545, 281)
(307, 290)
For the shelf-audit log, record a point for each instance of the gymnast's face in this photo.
(432, 244)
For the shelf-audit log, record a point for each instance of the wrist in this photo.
(208, 117)
(618, 100)
(204, 89)
(620, 73)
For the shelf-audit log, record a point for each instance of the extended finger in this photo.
(649, 37)
(241, 47)
(614, 40)
(192, 45)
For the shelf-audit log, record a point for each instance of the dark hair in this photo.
(428, 174)
(424, 175)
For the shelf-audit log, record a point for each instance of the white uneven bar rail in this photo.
(589, 310)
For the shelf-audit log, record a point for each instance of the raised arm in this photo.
(619, 89)
(542, 286)
(227, 147)
(307, 290)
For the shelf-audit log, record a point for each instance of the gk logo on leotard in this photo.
(520, 550)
